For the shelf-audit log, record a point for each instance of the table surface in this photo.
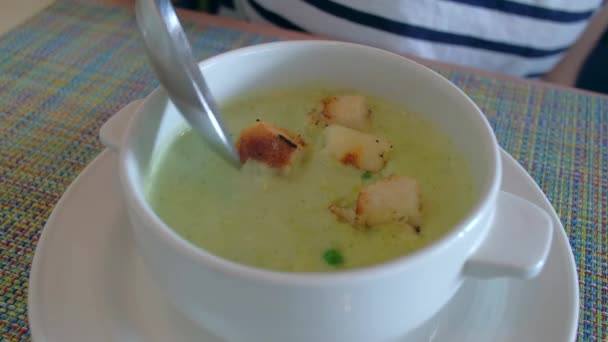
(66, 70)
(15, 12)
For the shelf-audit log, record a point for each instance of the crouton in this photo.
(361, 150)
(346, 110)
(394, 199)
(270, 145)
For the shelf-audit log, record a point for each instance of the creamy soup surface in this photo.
(282, 222)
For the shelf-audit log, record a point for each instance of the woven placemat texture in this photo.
(64, 72)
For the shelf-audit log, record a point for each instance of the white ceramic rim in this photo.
(138, 203)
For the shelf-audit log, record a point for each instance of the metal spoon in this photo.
(171, 57)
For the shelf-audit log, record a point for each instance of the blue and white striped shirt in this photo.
(519, 37)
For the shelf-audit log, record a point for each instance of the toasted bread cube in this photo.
(395, 199)
(270, 145)
(346, 110)
(361, 150)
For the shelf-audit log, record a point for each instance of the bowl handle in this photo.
(517, 244)
(111, 133)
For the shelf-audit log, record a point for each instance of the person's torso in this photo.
(522, 37)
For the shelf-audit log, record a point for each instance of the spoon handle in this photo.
(170, 55)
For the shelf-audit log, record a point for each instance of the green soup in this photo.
(283, 222)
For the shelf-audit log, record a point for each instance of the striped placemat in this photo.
(68, 69)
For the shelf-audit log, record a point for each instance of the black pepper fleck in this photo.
(287, 141)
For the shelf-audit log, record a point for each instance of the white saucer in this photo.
(88, 284)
